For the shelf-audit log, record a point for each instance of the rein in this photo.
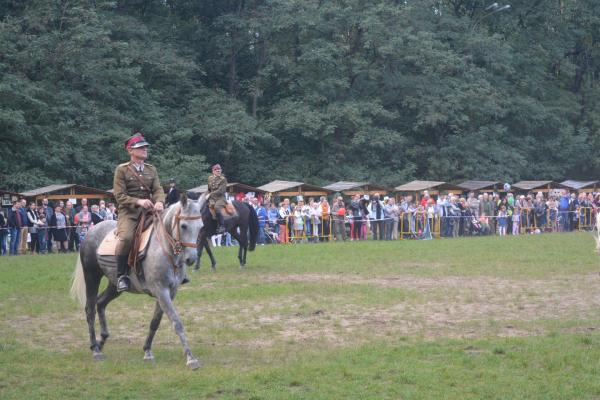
(175, 243)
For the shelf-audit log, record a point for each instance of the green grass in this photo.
(470, 318)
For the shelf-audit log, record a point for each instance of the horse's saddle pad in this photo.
(109, 244)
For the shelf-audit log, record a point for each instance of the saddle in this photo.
(109, 244)
(228, 211)
(139, 246)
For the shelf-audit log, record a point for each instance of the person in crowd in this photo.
(58, 223)
(356, 217)
(101, 209)
(473, 203)
(284, 213)
(325, 215)
(43, 233)
(110, 213)
(273, 215)
(24, 229)
(3, 232)
(364, 205)
(338, 213)
(96, 216)
(376, 217)
(173, 193)
(83, 222)
(48, 212)
(563, 211)
(502, 221)
(455, 213)
(315, 216)
(263, 218)
(33, 224)
(305, 209)
(430, 214)
(487, 210)
(388, 215)
(485, 225)
(15, 223)
(516, 220)
(407, 209)
(395, 211)
(553, 214)
(298, 223)
(72, 237)
(572, 216)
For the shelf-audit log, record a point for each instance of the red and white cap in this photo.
(136, 141)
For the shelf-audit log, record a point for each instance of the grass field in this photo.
(493, 318)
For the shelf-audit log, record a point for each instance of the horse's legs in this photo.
(158, 313)
(92, 284)
(243, 243)
(200, 246)
(108, 295)
(213, 262)
(166, 304)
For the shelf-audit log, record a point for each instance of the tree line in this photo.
(312, 90)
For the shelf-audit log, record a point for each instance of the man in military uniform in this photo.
(136, 188)
(217, 186)
(173, 194)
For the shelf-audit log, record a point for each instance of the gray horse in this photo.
(171, 249)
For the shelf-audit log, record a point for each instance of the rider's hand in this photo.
(159, 207)
(145, 203)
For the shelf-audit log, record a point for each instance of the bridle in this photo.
(175, 242)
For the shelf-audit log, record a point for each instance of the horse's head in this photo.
(186, 222)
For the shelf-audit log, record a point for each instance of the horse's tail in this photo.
(78, 287)
(253, 222)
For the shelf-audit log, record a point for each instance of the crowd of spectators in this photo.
(50, 227)
(62, 227)
(375, 217)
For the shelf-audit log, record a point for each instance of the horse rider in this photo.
(217, 186)
(136, 188)
(173, 193)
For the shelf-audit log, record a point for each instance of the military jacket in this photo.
(217, 186)
(128, 189)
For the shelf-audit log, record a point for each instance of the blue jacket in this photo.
(261, 213)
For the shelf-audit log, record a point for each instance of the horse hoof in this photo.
(149, 359)
(193, 364)
(98, 356)
(214, 268)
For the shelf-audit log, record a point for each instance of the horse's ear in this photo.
(183, 199)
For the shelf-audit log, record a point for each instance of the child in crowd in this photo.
(502, 221)
(516, 221)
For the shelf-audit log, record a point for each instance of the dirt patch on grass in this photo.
(456, 307)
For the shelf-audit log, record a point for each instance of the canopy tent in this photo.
(290, 189)
(433, 188)
(65, 192)
(481, 186)
(347, 188)
(581, 186)
(538, 186)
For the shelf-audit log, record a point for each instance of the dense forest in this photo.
(313, 90)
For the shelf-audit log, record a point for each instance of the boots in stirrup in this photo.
(220, 224)
(123, 279)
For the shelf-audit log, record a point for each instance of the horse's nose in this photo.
(191, 259)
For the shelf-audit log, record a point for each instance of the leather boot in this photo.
(123, 279)
(220, 224)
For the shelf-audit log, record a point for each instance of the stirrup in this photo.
(123, 283)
